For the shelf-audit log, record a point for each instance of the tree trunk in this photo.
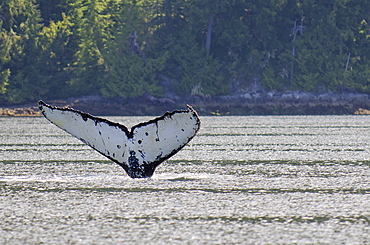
(209, 34)
(349, 56)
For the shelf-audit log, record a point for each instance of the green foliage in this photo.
(20, 49)
(192, 70)
(128, 71)
(321, 49)
(89, 25)
(120, 47)
(4, 80)
(130, 75)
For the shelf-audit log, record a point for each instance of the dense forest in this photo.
(122, 48)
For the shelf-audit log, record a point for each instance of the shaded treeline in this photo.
(120, 48)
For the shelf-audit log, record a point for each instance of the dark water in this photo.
(242, 180)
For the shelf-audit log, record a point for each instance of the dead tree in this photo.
(135, 47)
(296, 28)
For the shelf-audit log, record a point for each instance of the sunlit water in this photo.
(242, 180)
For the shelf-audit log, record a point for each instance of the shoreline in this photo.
(269, 103)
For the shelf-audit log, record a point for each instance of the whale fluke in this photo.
(138, 150)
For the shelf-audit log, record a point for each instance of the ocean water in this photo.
(241, 180)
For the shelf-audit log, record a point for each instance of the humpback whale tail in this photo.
(138, 150)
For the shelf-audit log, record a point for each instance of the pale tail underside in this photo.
(139, 150)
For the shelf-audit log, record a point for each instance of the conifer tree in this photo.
(20, 26)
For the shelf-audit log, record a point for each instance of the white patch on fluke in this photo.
(139, 150)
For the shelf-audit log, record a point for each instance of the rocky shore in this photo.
(263, 103)
(20, 112)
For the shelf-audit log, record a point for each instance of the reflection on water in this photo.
(293, 179)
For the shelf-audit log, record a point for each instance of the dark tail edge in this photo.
(41, 103)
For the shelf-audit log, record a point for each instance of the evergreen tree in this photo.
(190, 66)
(20, 26)
(89, 27)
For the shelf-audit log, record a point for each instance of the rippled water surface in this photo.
(242, 180)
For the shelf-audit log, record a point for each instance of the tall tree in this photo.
(190, 66)
(90, 22)
(19, 47)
